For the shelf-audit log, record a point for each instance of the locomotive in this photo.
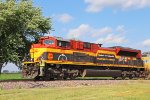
(58, 58)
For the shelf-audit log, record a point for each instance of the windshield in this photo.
(48, 42)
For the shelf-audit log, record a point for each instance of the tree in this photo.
(21, 24)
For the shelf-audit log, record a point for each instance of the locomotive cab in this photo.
(47, 41)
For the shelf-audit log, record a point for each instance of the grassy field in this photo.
(8, 76)
(136, 90)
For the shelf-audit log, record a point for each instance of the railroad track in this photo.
(33, 80)
(27, 83)
(78, 79)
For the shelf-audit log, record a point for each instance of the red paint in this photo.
(79, 45)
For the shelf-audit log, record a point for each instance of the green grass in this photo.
(9, 76)
(131, 90)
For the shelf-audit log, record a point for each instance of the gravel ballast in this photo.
(58, 83)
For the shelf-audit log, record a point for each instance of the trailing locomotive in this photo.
(57, 58)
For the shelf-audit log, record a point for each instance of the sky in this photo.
(10, 67)
(108, 22)
(112, 23)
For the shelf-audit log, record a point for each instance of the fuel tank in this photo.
(101, 73)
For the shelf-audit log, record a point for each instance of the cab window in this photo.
(48, 42)
(63, 43)
(87, 45)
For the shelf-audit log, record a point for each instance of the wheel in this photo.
(131, 76)
(115, 78)
(123, 77)
(37, 78)
(124, 74)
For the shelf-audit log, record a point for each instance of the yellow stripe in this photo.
(37, 52)
(85, 63)
(108, 59)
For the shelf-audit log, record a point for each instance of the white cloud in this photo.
(99, 5)
(65, 18)
(98, 35)
(98, 32)
(83, 29)
(120, 29)
(146, 42)
(112, 38)
(86, 30)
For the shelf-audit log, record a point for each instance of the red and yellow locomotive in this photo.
(57, 58)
